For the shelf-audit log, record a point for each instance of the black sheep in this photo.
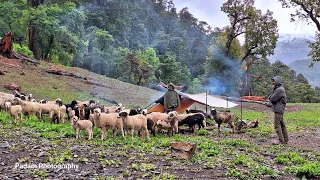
(193, 120)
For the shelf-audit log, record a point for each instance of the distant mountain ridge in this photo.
(291, 47)
(311, 73)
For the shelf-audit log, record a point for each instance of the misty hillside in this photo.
(290, 49)
(312, 73)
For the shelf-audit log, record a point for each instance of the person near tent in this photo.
(277, 101)
(171, 99)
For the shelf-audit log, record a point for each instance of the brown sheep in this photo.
(108, 121)
(223, 117)
(82, 125)
(137, 122)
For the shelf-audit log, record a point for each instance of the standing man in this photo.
(277, 101)
(171, 99)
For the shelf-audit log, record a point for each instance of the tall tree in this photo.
(261, 35)
(239, 13)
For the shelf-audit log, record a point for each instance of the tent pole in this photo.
(241, 109)
(206, 102)
(227, 102)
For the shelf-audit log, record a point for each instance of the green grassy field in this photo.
(246, 155)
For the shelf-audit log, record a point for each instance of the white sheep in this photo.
(71, 112)
(82, 125)
(16, 112)
(4, 97)
(50, 109)
(137, 122)
(62, 113)
(108, 121)
(28, 107)
(7, 106)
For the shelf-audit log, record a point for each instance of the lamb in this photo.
(165, 125)
(155, 116)
(82, 125)
(223, 117)
(72, 106)
(16, 112)
(71, 112)
(108, 121)
(7, 106)
(137, 122)
(251, 124)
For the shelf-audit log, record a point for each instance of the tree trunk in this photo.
(35, 3)
(32, 39)
(48, 55)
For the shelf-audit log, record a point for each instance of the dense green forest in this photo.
(144, 42)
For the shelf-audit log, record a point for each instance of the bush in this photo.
(308, 170)
(23, 49)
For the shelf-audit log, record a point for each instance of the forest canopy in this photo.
(144, 42)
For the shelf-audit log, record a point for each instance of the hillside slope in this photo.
(43, 85)
(311, 73)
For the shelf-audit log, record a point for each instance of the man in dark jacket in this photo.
(171, 99)
(277, 101)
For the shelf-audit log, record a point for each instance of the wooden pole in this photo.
(206, 102)
(241, 108)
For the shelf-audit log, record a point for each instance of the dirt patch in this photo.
(306, 139)
(6, 63)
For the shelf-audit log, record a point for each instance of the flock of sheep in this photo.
(90, 114)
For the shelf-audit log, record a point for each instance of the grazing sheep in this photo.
(189, 119)
(82, 125)
(189, 111)
(16, 112)
(27, 107)
(108, 121)
(137, 122)
(223, 117)
(165, 125)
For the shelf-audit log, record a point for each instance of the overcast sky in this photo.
(209, 11)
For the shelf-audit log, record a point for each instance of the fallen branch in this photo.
(24, 58)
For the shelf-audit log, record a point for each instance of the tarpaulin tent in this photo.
(188, 100)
